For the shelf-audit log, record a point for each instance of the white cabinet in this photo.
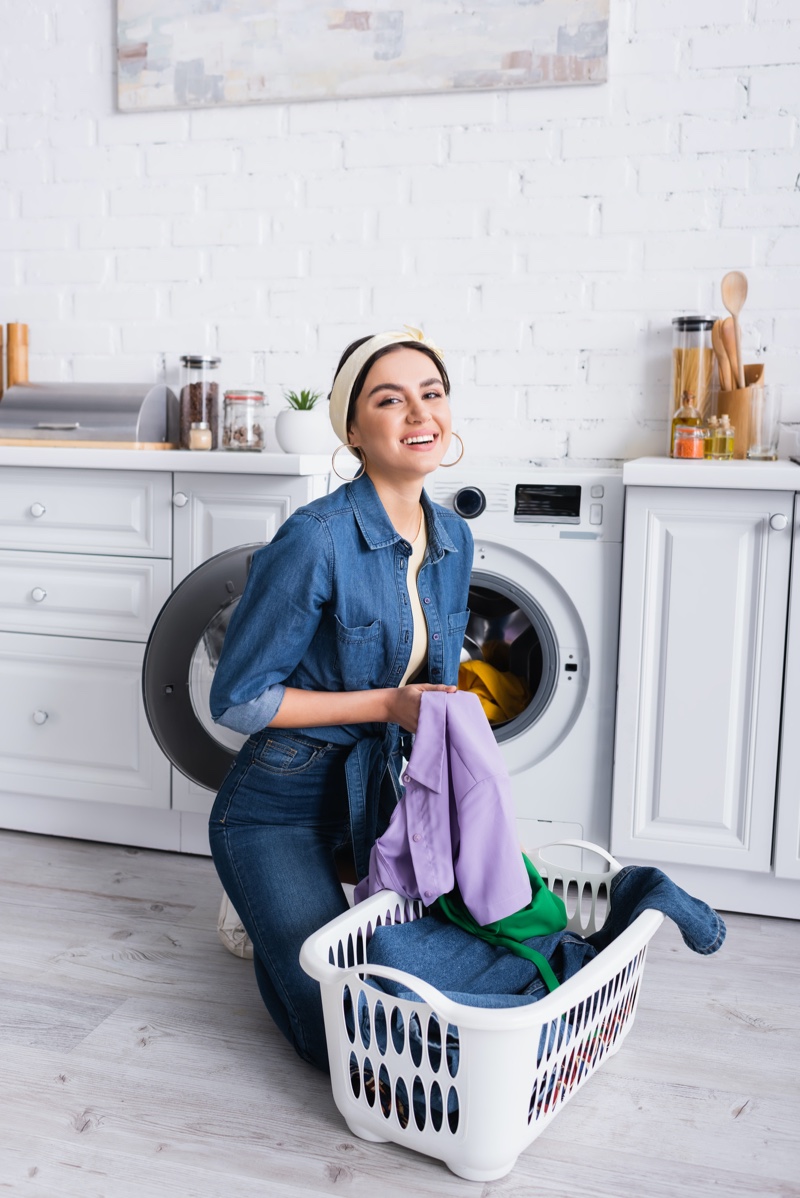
(88, 556)
(72, 724)
(787, 830)
(213, 513)
(75, 594)
(703, 626)
(85, 511)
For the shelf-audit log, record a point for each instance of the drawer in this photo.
(72, 722)
(86, 511)
(63, 594)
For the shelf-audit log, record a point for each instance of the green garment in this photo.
(544, 914)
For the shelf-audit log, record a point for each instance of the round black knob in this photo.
(470, 502)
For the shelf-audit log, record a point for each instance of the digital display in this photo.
(547, 505)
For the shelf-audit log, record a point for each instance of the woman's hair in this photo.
(358, 385)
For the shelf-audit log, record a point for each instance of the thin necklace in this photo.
(419, 530)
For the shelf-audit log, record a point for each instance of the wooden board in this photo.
(39, 443)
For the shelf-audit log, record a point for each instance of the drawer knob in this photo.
(179, 499)
(38, 509)
(38, 594)
(40, 717)
(778, 521)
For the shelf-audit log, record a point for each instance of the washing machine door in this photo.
(524, 626)
(179, 663)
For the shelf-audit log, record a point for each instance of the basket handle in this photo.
(538, 854)
(442, 1006)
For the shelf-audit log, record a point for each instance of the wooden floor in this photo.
(137, 1060)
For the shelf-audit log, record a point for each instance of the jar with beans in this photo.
(243, 426)
(199, 399)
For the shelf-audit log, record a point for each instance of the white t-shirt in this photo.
(419, 644)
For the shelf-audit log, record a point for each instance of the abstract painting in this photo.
(200, 53)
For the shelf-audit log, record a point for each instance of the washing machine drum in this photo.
(179, 663)
(510, 631)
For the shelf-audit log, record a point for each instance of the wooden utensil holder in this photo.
(736, 405)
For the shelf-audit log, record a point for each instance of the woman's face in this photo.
(402, 416)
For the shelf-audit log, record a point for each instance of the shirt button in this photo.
(436, 636)
(426, 599)
(428, 893)
(406, 777)
(401, 563)
(416, 838)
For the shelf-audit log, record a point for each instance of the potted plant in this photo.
(304, 426)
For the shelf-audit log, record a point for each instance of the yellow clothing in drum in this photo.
(503, 695)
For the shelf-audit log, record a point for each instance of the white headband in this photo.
(345, 380)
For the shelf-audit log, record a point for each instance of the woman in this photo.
(355, 608)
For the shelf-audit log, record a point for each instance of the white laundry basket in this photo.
(469, 1085)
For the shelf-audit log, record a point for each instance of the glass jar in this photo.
(692, 368)
(243, 424)
(690, 442)
(199, 399)
(200, 435)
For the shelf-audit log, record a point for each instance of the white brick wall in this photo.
(545, 238)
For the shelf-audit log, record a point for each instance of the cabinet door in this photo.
(704, 599)
(213, 513)
(72, 722)
(787, 829)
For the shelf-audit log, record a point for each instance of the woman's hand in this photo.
(404, 703)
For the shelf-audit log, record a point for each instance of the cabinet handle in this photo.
(778, 521)
(38, 594)
(38, 509)
(179, 499)
(40, 717)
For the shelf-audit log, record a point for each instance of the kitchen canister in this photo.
(199, 398)
(693, 378)
(243, 422)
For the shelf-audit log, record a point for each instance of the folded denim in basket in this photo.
(470, 971)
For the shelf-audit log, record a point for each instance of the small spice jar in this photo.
(243, 422)
(199, 399)
(689, 442)
(200, 435)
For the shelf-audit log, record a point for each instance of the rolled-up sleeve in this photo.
(290, 581)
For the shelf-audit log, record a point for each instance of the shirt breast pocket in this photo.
(356, 649)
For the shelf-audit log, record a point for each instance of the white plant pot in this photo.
(306, 432)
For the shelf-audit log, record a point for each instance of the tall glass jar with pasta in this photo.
(693, 377)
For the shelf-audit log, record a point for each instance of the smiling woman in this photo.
(355, 608)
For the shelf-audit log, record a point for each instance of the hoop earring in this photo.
(347, 477)
(447, 465)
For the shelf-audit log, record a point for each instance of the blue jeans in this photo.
(478, 974)
(280, 814)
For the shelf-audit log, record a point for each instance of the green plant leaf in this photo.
(303, 401)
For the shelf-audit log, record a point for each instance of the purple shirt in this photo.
(456, 821)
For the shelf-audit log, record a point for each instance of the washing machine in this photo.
(544, 603)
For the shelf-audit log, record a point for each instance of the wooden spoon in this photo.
(734, 293)
(723, 362)
(728, 334)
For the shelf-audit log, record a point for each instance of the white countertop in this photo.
(198, 462)
(783, 475)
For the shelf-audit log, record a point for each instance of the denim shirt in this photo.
(326, 608)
